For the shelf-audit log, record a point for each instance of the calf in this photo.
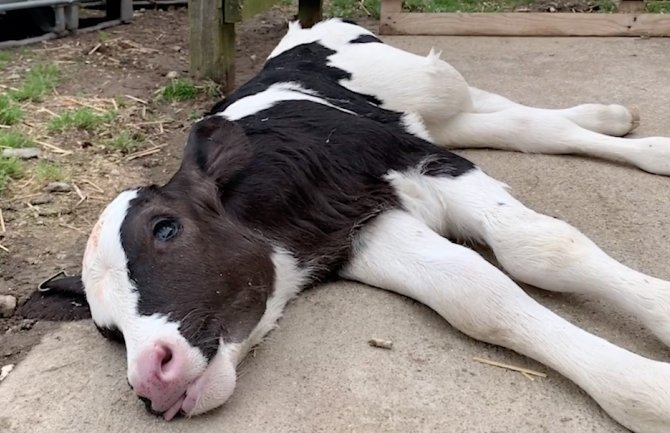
(332, 163)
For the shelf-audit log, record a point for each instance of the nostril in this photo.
(167, 357)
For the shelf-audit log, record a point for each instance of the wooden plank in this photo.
(310, 12)
(212, 43)
(525, 24)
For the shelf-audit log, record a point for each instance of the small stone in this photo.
(58, 187)
(22, 153)
(253, 57)
(41, 199)
(27, 325)
(176, 48)
(172, 75)
(5, 370)
(7, 305)
(552, 9)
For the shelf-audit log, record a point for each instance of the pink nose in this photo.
(159, 376)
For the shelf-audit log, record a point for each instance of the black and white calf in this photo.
(331, 163)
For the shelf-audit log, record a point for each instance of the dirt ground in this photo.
(133, 60)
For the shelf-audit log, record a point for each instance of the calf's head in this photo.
(169, 272)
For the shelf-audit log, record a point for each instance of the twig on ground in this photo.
(53, 147)
(96, 187)
(141, 101)
(81, 195)
(94, 49)
(71, 227)
(509, 367)
(146, 152)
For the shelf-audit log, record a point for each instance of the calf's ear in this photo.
(59, 298)
(218, 148)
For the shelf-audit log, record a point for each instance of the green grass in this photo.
(10, 113)
(179, 90)
(10, 168)
(5, 57)
(81, 118)
(658, 7)
(47, 171)
(352, 8)
(124, 142)
(194, 115)
(39, 82)
(13, 139)
(103, 36)
(121, 102)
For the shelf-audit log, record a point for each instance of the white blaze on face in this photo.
(113, 297)
(109, 291)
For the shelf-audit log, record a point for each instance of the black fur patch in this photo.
(365, 39)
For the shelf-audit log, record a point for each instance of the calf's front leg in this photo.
(400, 253)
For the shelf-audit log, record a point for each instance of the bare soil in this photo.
(132, 60)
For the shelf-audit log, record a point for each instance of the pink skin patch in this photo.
(93, 240)
(91, 247)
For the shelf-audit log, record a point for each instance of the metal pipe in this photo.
(29, 4)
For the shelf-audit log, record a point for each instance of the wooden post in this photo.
(212, 33)
(212, 42)
(386, 8)
(310, 12)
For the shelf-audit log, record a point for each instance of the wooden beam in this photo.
(212, 43)
(524, 24)
(310, 12)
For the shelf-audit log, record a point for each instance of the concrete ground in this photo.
(317, 373)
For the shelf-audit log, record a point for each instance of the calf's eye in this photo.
(166, 229)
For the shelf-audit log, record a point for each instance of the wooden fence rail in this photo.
(630, 21)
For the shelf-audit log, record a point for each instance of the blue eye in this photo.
(166, 229)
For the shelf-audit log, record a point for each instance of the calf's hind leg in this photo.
(534, 248)
(459, 116)
(613, 119)
(400, 253)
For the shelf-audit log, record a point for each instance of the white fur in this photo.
(532, 247)
(333, 33)
(399, 252)
(289, 280)
(274, 94)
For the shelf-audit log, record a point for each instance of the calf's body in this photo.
(332, 163)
